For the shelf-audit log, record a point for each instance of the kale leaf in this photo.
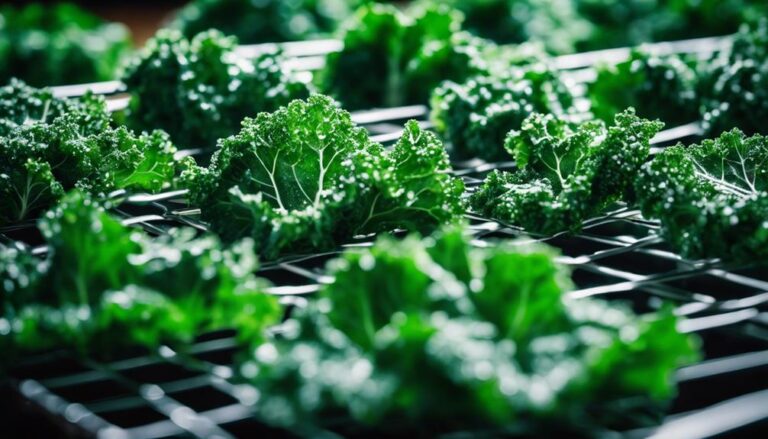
(474, 117)
(711, 198)
(566, 26)
(633, 22)
(100, 279)
(305, 178)
(59, 44)
(409, 338)
(657, 87)
(49, 146)
(199, 91)
(736, 93)
(555, 23)
(266, 20)
(404, 56)
(21, 104)
(567, 172)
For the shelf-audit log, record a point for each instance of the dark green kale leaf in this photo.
(712, 198)
(658, 87)
(59, 44)
(52, 145)
(567, 172)
(474, 117)
(555, 23)
(21, 104)
(703, 18)
(404, 56)
(399, 343)
(199, 90)
(736, 93)
(103, 286)
(566, 26)
(305, 178)
(633, 22)
(266, 20)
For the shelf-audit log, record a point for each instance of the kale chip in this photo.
(49, 146)
(430, 335)
(474, 117)
(103, 286)
(59, 44)
(735, 95)
(567, 173)
(657, 87)
(305, 178)
(199, 90)
(711, 198)
(404, 55)
(21, 104)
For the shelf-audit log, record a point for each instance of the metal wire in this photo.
(617, 256)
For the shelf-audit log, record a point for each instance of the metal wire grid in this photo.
(617, 256)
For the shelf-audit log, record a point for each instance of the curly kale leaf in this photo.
(59, 44)
(399, 342)
(735, 95)
(143, 162)
(21, 104)
(43, 155)
(475, 117)
(404, 55)
(264, 21)
(199, 91)
(568, 173)
(306, 178)
(103, 285)
(711, 198)
(657, 87)
(27, 189)
(552, 148)
(411, 186)
(295, 160)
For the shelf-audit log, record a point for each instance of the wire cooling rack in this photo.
(618, 256)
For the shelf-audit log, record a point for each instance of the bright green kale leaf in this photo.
(404, 56)
(53, 145)
(567, 172)
(474, 117)
(658, 87)
(552, 148)
(736, 93)
(712, 198)
(266, 20)
(306, 178)
(411, 187)
(400, 343)
(103, 285)
(199, 90)
(59, 44)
